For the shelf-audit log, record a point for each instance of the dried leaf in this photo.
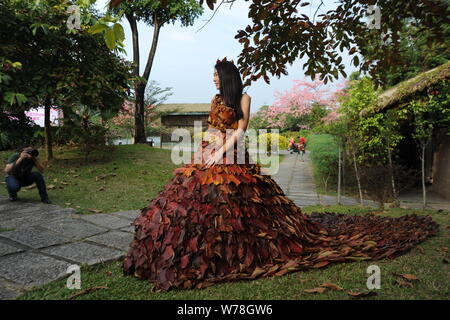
(406, 276)
(331, 286)
(87, 291)
(51, 186)
(357, 294)
(315, 290)
(95, 210)
(257, 272)
(321, 264)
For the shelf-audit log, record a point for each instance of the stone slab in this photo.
(106, 220)
(32, 269)
(7, 292)
(131, 214)
(83, 252)
(35, 237)
(75, 229)
(128, 229)
(7, 249)
(35, 219)
(116, 239)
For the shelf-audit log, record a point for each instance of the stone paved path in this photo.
(295, 177)
(39, 242)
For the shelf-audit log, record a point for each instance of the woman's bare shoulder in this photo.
(246, 96)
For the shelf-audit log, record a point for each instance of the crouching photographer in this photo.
(19, 174)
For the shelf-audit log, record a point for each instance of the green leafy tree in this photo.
(60, 66)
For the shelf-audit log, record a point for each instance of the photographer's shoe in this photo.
(12, 198)
(47, 201)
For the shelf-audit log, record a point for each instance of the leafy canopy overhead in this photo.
(282, 32)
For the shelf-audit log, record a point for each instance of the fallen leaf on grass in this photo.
(109, 273)
(51, 186)
(420, 249)
(406, 276)
(101, 189)
(315, 290)
(64, 183)
(76, 175)
(303, 280)
(445, 249)
(87, 291)
(332, 286)
(357, 294)
(67, 203)
(30, 187)
(78, 207)
(404, 283)
(320, 264)
(95, 210)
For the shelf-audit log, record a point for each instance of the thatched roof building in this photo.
(437, 157)
(405, 90)
(182, 115)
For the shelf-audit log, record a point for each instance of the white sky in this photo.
(185, 58)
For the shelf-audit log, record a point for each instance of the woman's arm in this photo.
(237, 134)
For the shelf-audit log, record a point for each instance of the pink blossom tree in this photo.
(295, 104)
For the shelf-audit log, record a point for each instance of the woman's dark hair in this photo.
(230, 86)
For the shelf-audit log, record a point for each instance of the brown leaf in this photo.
(87, 291)
(406, 276)
(303, 280)
(51, 186)
(445, 249)
(257, 272)
(331, 286)
(320, 264)
(358, 294)
(109, 273)
(315, 290)
(94, 210)
(420, 249)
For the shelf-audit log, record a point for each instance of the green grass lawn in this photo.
(428, 262)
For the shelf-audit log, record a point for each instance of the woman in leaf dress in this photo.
(220, 220)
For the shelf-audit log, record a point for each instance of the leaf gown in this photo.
(229, 222)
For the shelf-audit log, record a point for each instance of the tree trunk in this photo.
(391, 171)
(424, 190)
(358, 180)
(47, 130)
(339, 176)
(139, 124)
(139, 91)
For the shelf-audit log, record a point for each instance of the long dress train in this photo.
(230, 222)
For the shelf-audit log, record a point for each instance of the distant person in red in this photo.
(303, 141)
(302, 145)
